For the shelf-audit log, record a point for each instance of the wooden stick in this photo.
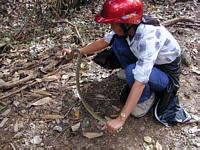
(17, 91)
(176, 20)
(9, 85)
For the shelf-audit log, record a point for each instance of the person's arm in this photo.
(136, 91)
(133, 98)
(94, 47)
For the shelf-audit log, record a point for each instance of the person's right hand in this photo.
(68, 52)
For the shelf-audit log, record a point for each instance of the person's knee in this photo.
(158, 80)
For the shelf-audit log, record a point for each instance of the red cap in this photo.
(121, 11)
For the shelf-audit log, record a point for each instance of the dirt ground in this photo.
(46, 113)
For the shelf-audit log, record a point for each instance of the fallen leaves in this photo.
(63, 78)
(43, 101)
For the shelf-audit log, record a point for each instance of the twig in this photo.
(176, 20)
(189, 24)
(8, 85)
(17, 91)
(12, 145)
(66, 114)
(53, 65)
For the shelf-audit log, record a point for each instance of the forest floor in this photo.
(43, 111)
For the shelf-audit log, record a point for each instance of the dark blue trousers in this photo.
(158, 80)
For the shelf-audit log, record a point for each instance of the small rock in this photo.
(85, 123)
(66, 121)
(147, 139)
(89, 146)
(92, 135)
(158, 146)
(130, 147)
(36, 140)
(76, 127)
(194, 130)
(58, 128)
(196, 142)
(142, 128)
(18, 135)
(23, 111)
(151, 146)
(195, 117)
(16, 103)
(121, 75)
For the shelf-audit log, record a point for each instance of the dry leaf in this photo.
(3, 122)
(116, 108)
(100, 96)
(68, 76)
(42, 101)
(77, 114)
(6, 112)
(92, 135)
(42, 92)
(76, 127)
(105, 75)
(53, 117)
(18, 125)
(158, 146)
(2, 82)
(195, 70)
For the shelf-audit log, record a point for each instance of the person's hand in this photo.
(68, 52)
(113, 126)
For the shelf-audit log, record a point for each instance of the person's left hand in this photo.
(113, 126)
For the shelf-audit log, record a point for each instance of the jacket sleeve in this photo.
(148, 50)
(108, 36)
